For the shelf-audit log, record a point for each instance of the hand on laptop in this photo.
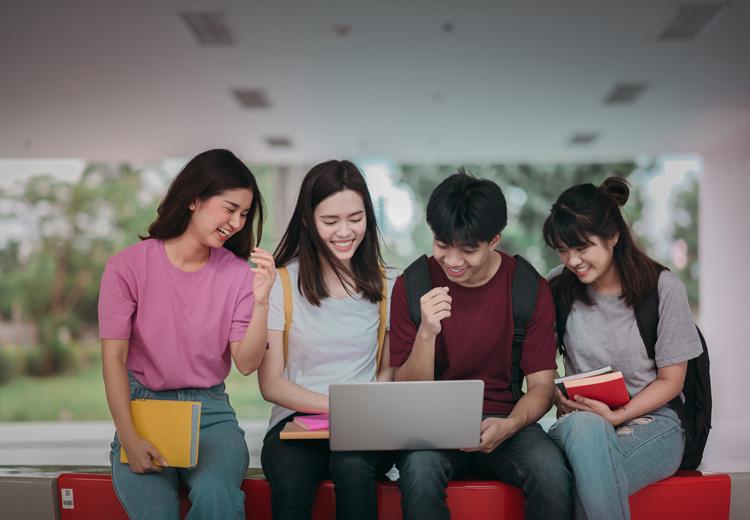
(494, 431)
(435, 306)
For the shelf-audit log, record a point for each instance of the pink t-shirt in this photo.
(178, 324)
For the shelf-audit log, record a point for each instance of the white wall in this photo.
(725, 299)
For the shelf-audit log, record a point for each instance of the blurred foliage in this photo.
(686, 229)
(50, 277)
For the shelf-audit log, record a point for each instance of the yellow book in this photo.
(173, 427)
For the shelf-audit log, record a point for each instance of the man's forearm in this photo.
(532, 406)
(420, 365)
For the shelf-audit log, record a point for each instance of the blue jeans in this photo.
(610, 464)
(295, 468)
(213, 485)
(529, 460)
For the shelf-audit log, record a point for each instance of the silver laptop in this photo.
(406, 415)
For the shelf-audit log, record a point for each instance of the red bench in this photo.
(688, 495)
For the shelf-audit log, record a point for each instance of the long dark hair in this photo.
(302, 241)
(205, 175)
(584, 211)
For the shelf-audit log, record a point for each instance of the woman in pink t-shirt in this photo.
(174, 310)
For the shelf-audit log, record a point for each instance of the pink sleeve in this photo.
(117, 303)
(243, 309)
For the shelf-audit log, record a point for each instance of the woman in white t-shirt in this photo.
(616, 452)
(332, 254)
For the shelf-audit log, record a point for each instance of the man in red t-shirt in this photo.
(466, 331)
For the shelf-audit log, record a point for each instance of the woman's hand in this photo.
(143, 457)
(563, 404)
(613, 417)
(265, 274)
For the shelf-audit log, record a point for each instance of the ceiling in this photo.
(421, 80)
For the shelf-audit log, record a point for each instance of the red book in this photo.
(312, 422)
(607, 388)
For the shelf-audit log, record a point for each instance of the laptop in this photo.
(412, 415)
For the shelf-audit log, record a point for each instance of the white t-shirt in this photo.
(333, 343)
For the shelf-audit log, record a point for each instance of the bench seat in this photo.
(689, 495)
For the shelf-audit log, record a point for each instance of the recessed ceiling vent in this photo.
(623, 93)
(693, 21)
(279, 142)
(251, 98)
(209, 28)
(583, 138)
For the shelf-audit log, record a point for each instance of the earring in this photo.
(192, 207)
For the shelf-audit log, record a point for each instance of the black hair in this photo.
(586, 211)
(464, 210)
(204, 176)
(302, 241)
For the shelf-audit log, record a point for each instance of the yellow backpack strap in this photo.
(287, 287)
(383, 311)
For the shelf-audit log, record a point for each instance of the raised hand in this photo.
(265, 274)
(435, 307)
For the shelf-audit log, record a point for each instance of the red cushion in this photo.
(687, 495)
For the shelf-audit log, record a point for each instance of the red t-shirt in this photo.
(475, 341)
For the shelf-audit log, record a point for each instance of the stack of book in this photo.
(604, 384)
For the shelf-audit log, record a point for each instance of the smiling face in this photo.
(341, 223)
(592, 263)
(217, 218)
(465, 265)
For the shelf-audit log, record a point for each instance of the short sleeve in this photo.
(276, 306)
(117, 301)
(538, 351)
(403, 331)
(243, 309)
(677, 339)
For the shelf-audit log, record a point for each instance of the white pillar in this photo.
(724, 226)
(289, 182)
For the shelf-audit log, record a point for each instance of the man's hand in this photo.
(143, 457)
(435, 306)
(494, 431)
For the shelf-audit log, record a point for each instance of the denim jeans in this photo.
(213, 485)
(295, 468)
(611, 463)
(529, 460)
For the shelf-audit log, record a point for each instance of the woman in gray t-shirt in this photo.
(616, 452)
(331, 255)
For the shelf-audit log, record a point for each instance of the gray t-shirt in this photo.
(333, 343)
(606, 333)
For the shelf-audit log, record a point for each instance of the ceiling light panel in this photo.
(693, 21)
(583, 138)
(251, 98)
(209, 28)
(279, 142)
(623, 93)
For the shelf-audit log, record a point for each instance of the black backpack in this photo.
(417, 282)
(695, 412)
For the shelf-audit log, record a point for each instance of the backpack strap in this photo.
(561, 320)
(647, 317)
(382, 313)
(417, 283)
(523, 294)
(287, 287)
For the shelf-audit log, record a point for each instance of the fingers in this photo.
(435, 296)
